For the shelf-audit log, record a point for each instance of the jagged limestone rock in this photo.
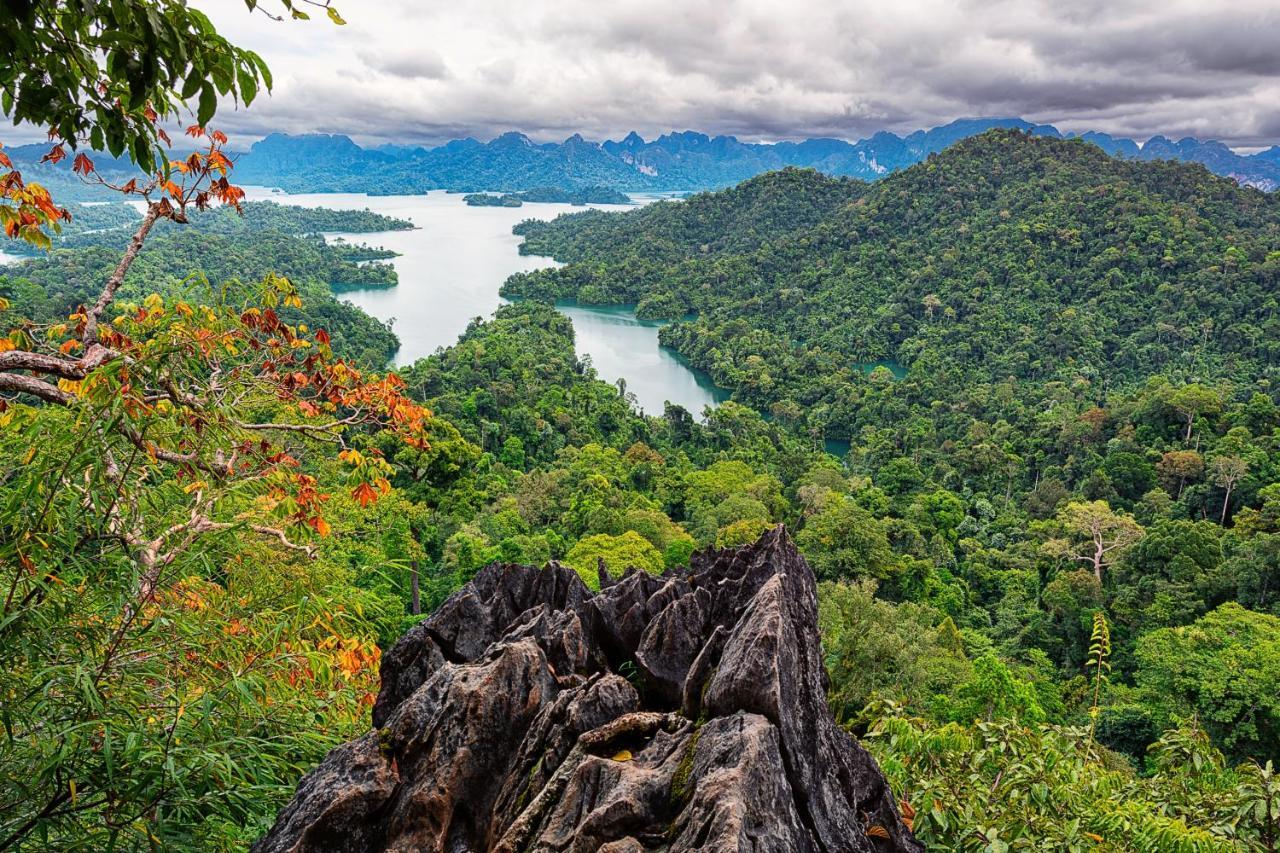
(683, 712)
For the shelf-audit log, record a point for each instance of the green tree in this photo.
(844, 541)
(1223, 668)
(619, 553)
(1226, 472)
(908, 653)
(1193, 401)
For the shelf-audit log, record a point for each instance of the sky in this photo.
(425, 71)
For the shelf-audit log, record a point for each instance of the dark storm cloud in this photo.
(407, 71)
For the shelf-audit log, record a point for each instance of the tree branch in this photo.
(35, 387)
(117, 278)
(52, 365)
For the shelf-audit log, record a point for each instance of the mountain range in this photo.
(676, 161)
(684, 161)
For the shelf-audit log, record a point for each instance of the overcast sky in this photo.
(426, 71)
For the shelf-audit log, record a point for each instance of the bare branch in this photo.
(277, 533)
(90, 335)
(52, 365)
(35, 387)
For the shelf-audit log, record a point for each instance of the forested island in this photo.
(549, 195)
(258, 589)
(266, 238)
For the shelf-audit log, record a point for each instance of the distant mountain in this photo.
(1271, 155)
(687, 160)
(676, 161)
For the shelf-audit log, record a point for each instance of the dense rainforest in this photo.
(973, 544)
(1049, 560)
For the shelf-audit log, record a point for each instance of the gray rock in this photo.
(685, 712)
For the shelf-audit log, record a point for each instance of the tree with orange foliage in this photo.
(175, 646)
(153, 441)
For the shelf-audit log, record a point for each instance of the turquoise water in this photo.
(450, 269)
(622, 346)
(898, 371)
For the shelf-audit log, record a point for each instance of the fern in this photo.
(1100, 662)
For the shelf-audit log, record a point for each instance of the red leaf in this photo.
(82, 165)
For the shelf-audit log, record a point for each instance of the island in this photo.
(549, 195)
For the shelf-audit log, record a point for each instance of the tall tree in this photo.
(1193, 401)
(1094, 534)
(1227, 471)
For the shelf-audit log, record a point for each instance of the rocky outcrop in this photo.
(684, 712)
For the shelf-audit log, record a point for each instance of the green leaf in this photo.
(248, 86)
(192, 85)
(208, 104)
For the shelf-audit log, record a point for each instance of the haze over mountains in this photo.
(675, 161)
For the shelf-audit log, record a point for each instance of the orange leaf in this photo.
(82, 165)
(365, 494)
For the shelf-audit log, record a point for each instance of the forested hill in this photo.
(708, 224)
(1006, 255)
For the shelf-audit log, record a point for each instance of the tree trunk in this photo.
(1226, 501)
(413, 585)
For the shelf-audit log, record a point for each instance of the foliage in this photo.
(1223, 668)
(143, 644)
(1000, 786)
(619, 553)
(906, 653)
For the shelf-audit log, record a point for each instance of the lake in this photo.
(450, 270)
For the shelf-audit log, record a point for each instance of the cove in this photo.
(620, 345)
(450, 269)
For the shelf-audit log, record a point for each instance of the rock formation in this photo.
(683, 712)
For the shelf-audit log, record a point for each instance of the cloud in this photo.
(415, 72)
(409, 64)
